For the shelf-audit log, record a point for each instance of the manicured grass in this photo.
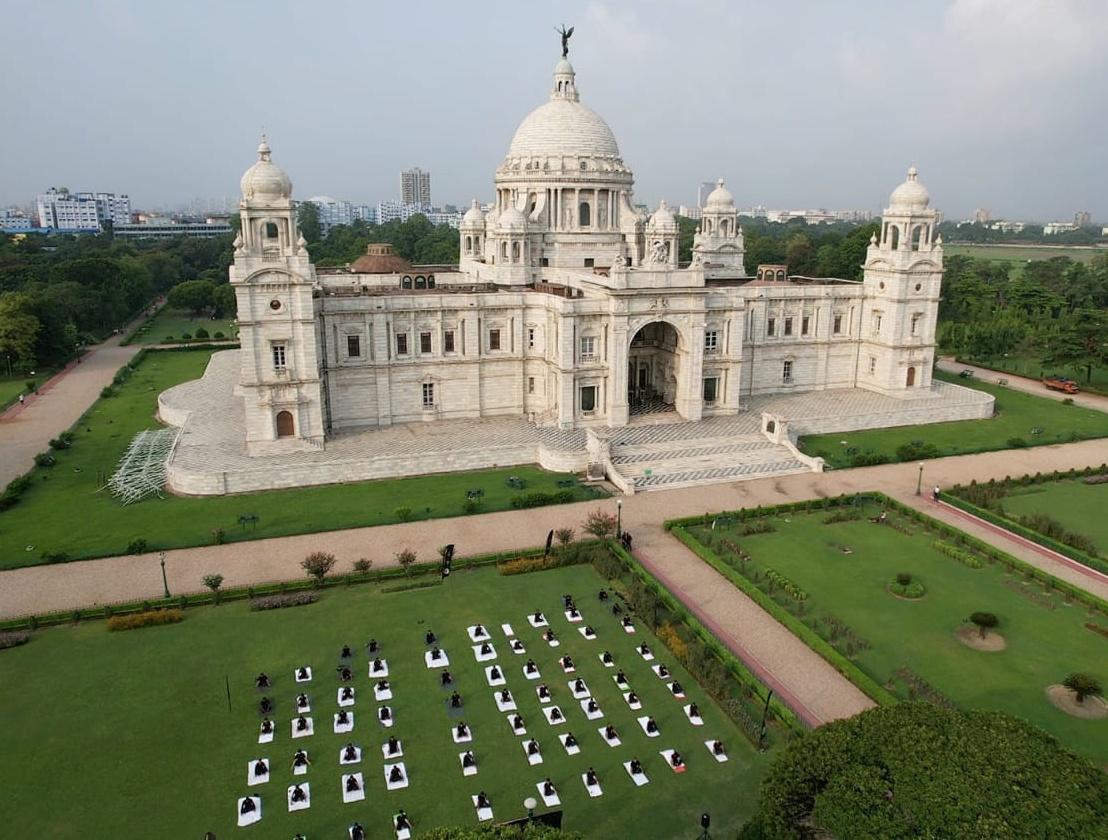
(169, 325)
(64, 510)
(1034, 367)
(10, 389)
(1078, 506)
(129, 734)
(1046, 637)
(1017, 416)
(1021, 253)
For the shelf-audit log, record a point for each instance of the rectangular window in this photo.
(876, 323)
(837, 326)
(804, 324)
(915, 324)
(872, 365)
(530, 384)
(425, 342)
(589, 262)
(788, 326)
(279, 356)
(401, 344)
(711, 387)
(448, 341)
(353, 346)
(494, 339)
(771, 326)
(588, 399)
(588, 348)
(545, 262)
(711, 341)
(428, 395)
(787, 371)
(531, 338)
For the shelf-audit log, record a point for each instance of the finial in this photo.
(719, 183)
(698, 230)
(663, 205)
(263, 148)
(912, 173)
(939, 239)
(873, 239)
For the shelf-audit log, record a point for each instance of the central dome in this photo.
(563, 127)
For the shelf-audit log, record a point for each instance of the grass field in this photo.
(129, 734)
(1017, 416)
(1046, 637)
(169, 325)
(1022, 253)
(63, 511)
(1078, 506)
(1035, 368)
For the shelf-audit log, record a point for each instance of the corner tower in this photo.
(902, 277)
(273, 278)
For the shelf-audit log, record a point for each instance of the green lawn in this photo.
(63, 511)
(126, 734)
(1046, 637)
(1017, 416)
(1034, 367)
(1078, 506)
(169, 325)
(1022, 253)
(11, 388)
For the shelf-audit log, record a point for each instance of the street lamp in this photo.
(619, 518)
(705, 821)
(165, 583)
(919, 481)
(530, 803)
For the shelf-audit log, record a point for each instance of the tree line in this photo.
(416, 240)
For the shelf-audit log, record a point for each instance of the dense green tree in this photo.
(307, 219)
(223, 301)
(196, 295)
(914, 770)
(19, 329)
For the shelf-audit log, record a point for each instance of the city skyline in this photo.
(692, 94)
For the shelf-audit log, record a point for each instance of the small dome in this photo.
(265, 180)
(563, 67)
(380, 258)
(512, 220)
(911, 195)
(663, 218)
(720, 198)
(473, 215)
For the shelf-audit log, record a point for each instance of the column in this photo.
(618, 349)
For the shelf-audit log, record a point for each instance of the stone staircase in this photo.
(668, 456)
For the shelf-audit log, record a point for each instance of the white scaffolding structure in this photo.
(141, 471)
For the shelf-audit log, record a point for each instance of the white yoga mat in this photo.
(522, 730)
(541, 622)
(594, 790)
(531, 759)
(611, 664)
(382, 694)
(549, 712)
(355, 760)
(584, 631)
(463, 739)
(507, 630)
(385, 754)
(381, 671)
(549, 801)
(296, 675)
(594, 715)
(266, 737)
(574, 617)
(484, 657)
(441, 662)
(347, 702)
(570, 750)
(627, 699)
(695, 721)
(253, 778)
(611, 742)
(502, 705)
(667, 755)
(639, 779)
(579, 694)
(517, 647)
(483, 814)
(532, 675)
(253, 816)
(495, 680)
(300, 806)
(403, 783)
(642, 722)
(722, 757)
(353, 795)
(678, 694)
(476, 635)
(467, 771)
(340, 728)
(304, 733)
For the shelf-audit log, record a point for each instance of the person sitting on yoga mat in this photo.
(606, 658)
(590, 777)
(479, 631)
(395, 775)
(260, 768)
(567, 661)
(663, 671)
(486, 649)
(372, 646)
(610, 732)
(592, 707)
(345, 674)
(467, 759)
(248, 806)
(531, 667)
(651, 726)
(675, 759)
(544, 692)
(300, 759)
(505, 696)
(262, 680)
(579, 686)
(301, 724)
(494, 673)
(301, 701)
(348, 693)
(636, 767)
(382, 685)
(267, 726)
(694, 710)
(378, 665)
(621, 678)
(482, 801)
(462, 730)
(555, 714)
(344, 718)
(385, 713)
(436, 653)
(302, 673)
(429, 638)
(455, 700)
(351, 783)
(538, 616)
(548, 636)
(570, 740)
(446, 679)
(676, 687)
(394, 745)
(548, 788)
(349, 753)
(717, 747)
(357, 832)
(532, 747)
(402, 821)
(298, 794)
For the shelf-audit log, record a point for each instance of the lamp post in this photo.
(165, 583)
(530, 803)
(619, 518)
(919, 481)
(705, 821)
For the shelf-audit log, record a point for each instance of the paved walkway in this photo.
(1023, 383)
(25, 430)
(817, 691)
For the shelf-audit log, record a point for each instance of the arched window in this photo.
(707, 225)
(584, 213)
(515, 252)
(430, 281)
(420, 282)
(780, 274)
(469, 244)
(405, 282)
(911, 379)
(285, 427)
(894, 237)
(504, 251)
(917, 237)
(584, 166)
(270, 230)
(723, 227)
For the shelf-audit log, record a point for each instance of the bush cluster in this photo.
(146, 618)
(530, 500)
(791, 589)
(16, 488)
(966, 558)
(286, 599)
(14, 638)
(917, 450)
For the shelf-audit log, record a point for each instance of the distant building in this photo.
(1005, 226)
(689, 212)
(415, 187)
(703, 191)
(15, 221)
(59, 209)
(168, 229)
(332, 212)
(443, 217)
(982, 215)
(1082, 218)
(398, 211)
(1053, 228)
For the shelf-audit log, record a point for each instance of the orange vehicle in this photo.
(1061, 383)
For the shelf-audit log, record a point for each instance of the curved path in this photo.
(814, 688)
(1022, 383)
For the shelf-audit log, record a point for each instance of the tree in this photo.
(363, 565)
(195, 295)
(600, 524)
(224, 300)
(406, 559)
(1082, 685)
(564, 535)
(213, 582)
(19, 329)
(307, 219)
(317, 565)
(862, 777)
(985, 621)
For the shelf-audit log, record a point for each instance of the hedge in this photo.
(806, 634)
(288, 599)
(1025, 532)
(146, 618)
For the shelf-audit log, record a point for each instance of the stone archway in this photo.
(285, 425)
(654, 369)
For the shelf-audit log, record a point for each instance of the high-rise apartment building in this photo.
(1082, 218)
(415, 187)
(59, 209)
(703, 191)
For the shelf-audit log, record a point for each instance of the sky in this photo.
(1001, 104)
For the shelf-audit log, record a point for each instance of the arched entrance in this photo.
(284, 424)
(653, 368)
(911, 380)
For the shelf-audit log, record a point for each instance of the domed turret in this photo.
(662, 219)
(512, 220)
(720, 198)
(911, 196)
(474, 217)
(265, 180)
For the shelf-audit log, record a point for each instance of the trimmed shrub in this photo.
(55, 556)
(287, 599)
(13, 639)
(1016, 442)
(201, 333)
(470, 505)
(45, 459)
(531, 500)
(917, 450)
(1082, 685)
(868, 459)
(137, 546)
(903, 578)
(984, 621)
(57, 444)
(106, 392)
(146, 618)
(186, 336)
(218, 335)
(403, 513)
(964, 557)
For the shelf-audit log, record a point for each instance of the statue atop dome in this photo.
(566, 35)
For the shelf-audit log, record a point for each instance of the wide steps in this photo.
(673, 478)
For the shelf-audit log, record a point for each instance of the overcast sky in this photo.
(808, 103)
